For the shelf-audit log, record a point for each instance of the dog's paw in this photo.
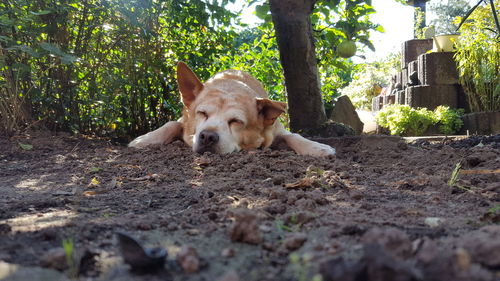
(319, 150)
(139, 142)
(146, 140)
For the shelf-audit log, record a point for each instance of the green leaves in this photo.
(41, 13)
(55, 50)
(108, 67)
(262, 11)
(405, 120)
(24, 48)
(25, 146)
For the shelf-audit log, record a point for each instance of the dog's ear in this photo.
(189, 85)
(270, 110)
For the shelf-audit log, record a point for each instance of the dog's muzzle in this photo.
(207, 141)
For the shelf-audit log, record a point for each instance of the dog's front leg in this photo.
(165, 134)
(304, 146)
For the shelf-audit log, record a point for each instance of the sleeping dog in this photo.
(229, 112)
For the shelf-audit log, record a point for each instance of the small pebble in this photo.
(294, 241)
(188, 259)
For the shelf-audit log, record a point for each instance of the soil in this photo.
(381, 210)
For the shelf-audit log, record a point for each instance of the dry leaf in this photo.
(302, 183)
(93, 192)
(147, 177)
(479, 172)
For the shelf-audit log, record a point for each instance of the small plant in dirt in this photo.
(408, 121)
(301, 266)
(69, 250)
(453, 181)
(454, 175)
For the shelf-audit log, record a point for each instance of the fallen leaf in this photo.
(25, 146)
(95, 169)
(479, 172)
(203, 161)
(92, 192)
(94, 182)
(147, 177)
(302, 183)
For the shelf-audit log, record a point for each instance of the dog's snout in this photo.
(208, 138)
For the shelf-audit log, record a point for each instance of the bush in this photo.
(448, 120)
(408, 121)
(478, 60)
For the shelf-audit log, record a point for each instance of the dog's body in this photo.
(229, 112)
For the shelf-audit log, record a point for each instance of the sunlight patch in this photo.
(33, 222)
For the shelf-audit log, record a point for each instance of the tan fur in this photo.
(234, 106)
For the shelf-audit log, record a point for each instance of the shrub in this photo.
(478, 60)
(448, 120)
(405, 120)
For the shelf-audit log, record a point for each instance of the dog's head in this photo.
(226, 114)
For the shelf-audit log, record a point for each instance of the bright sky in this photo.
(396, 18)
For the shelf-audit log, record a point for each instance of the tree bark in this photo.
(292, 22)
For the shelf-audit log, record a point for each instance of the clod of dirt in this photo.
(228, 253)
(433, 221)
(18, 272)
(245, 227)
(463, 259)
(140, 259)
(47, 234)
(188, 259)
(306, 204)
(5, 228)
(375, 265)
(293, 241)
(203, 161)
(275, 207)
(299, 218)
(394, 241)
(55, 259)
(426, 250)
(230, 276)
(484, 245)
(352, 229)
(88, 264)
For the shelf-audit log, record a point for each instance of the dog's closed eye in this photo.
(202, 114)
(235, 121)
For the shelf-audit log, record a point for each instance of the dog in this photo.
(228, 113)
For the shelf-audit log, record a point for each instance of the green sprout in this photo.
(69, 246)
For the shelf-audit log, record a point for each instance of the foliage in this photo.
(69, 251)
(493, 13)
(258, 55)
(478, 60)
(419, 24)
(449, 121)
(446, 12)
(334, 21)
(405, 120)
(369, 78)
(107, 67)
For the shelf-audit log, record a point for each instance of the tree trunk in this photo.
(298, 57)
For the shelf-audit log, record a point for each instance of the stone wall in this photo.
(427, 79)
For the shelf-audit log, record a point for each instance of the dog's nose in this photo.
(208, 138)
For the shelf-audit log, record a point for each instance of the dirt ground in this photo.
(381, 210)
